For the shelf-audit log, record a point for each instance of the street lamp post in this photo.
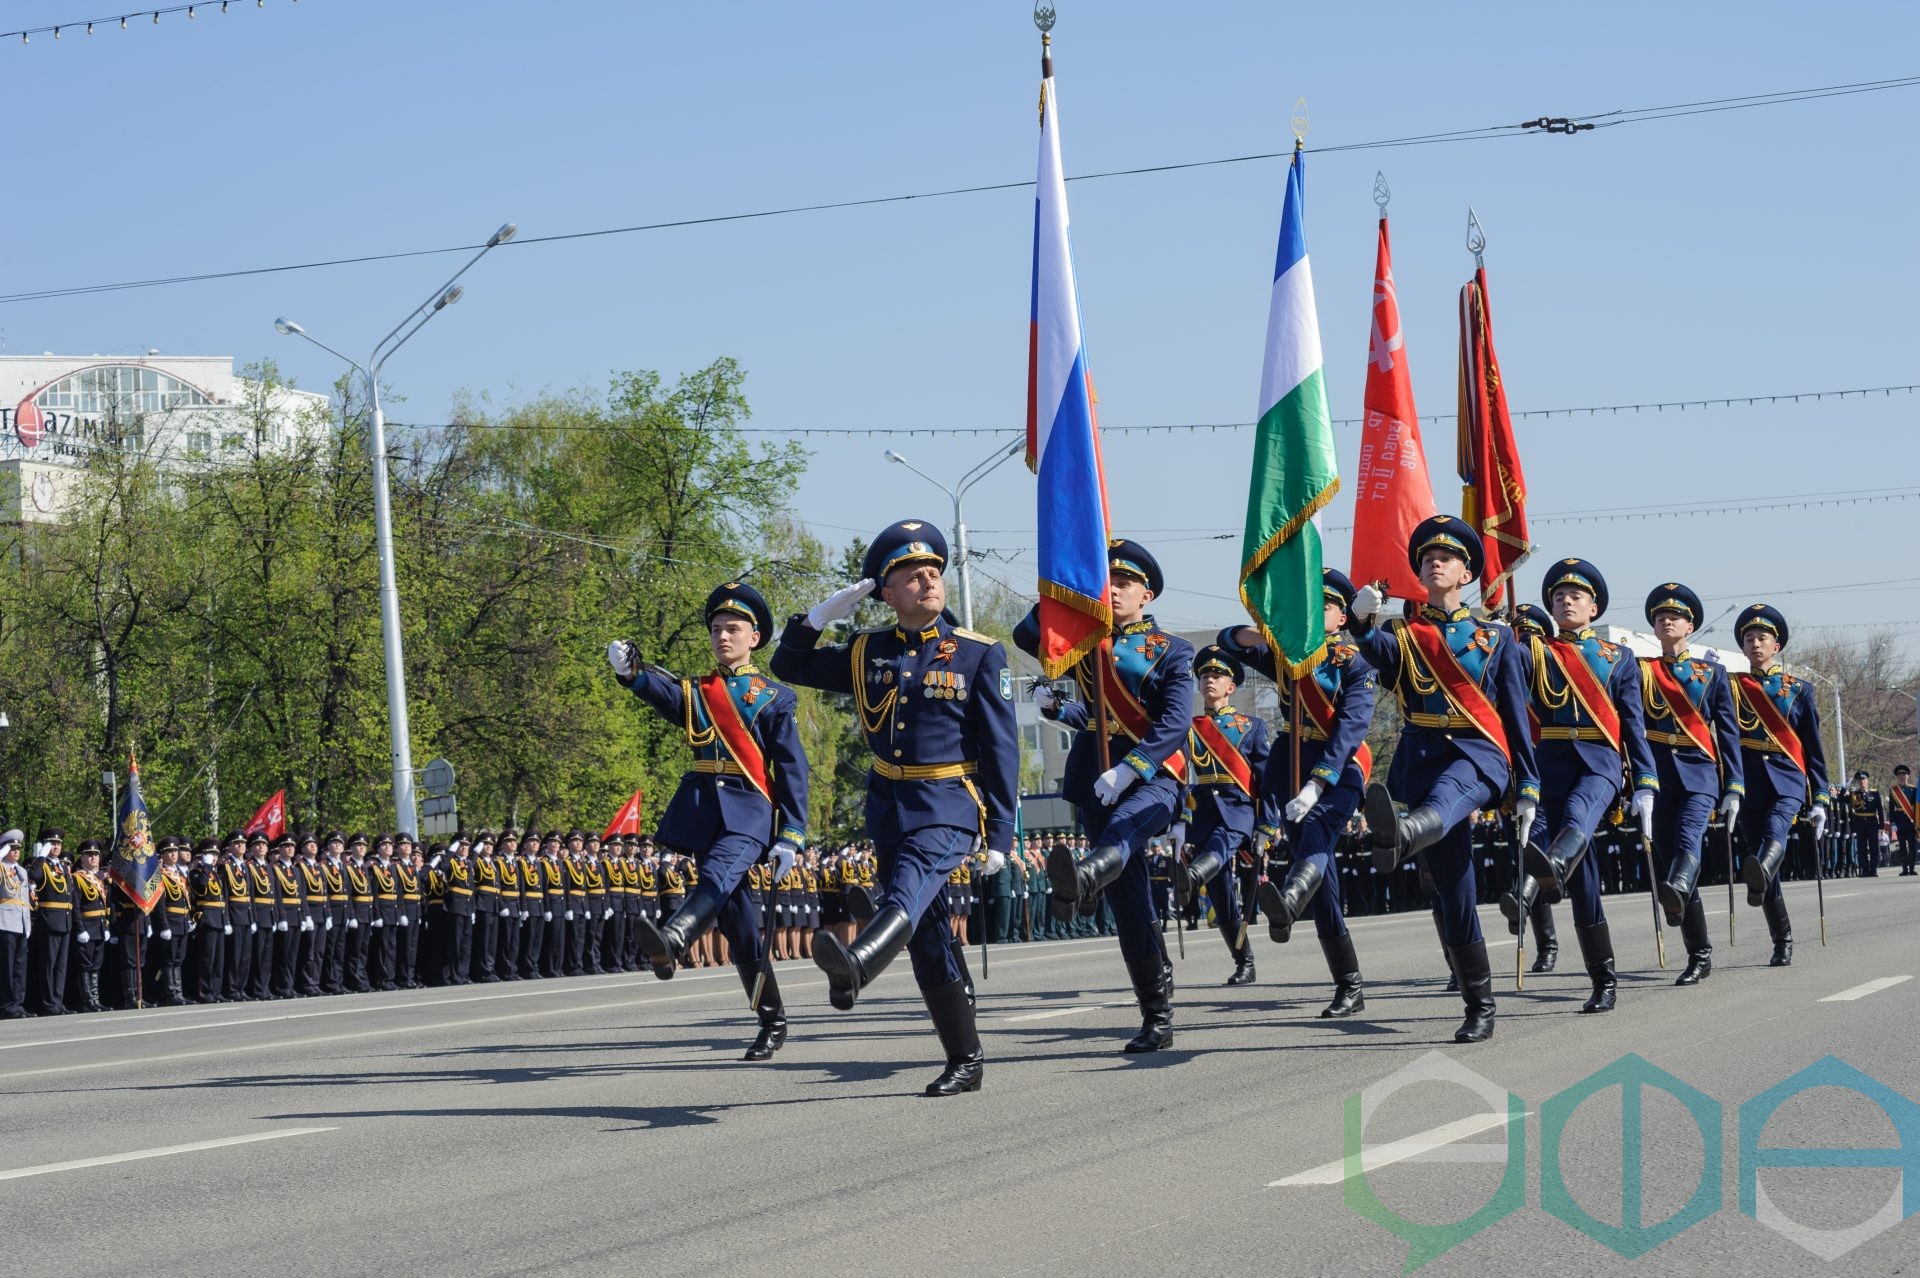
(957, 492)
(398, 731)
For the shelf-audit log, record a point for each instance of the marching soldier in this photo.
(1586, 699)
(1530, 622)
(1224, 800)
(1782, 762)
(94, 916)
(1696, 751)
(207, 884)
(744, 797)
(1464, 742)
(1148, 694)
(1334, 711)
(1904, 818)
(935, 704)
(1865, 815)
(53, 929)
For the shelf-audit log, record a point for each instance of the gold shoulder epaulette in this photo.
(975, 635)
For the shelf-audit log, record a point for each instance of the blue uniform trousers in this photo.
(723, 868)
(913, 876)
(1766, 815)
(1573, 796)
(1223, 842)
(1680, 819)
(1315, 840)
(1143, 813)
(1456, 791)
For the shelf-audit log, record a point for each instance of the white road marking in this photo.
(1063, 1011)
(1427, 1145)
(1861, 991)
(162, 1152)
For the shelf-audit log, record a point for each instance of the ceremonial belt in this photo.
(719, 767)
(733, 732)
(56, 905)
(1587, 689)
(924, 771)
(460, 891)
(1237, 769)
(1320, 712)
(1213, 778)
(1678, 740)
(93, 914)
(1422, 720)
(1692, 723)
(1904, 802)
(384, 896)
(14, 900)
(1466, 697)
(1560, 732)
(1780, 734)
(176, 909)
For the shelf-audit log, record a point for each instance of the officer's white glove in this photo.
(1113, 783)
(106, 938)
(624, 658)
(1177, 835)
(569, 916)
(379, 922)
(149, 929)
(1524, 811)
(523, 916)
(329, 922)
(781, 857)
(506, 914)
(353, 925)
(84, 937)
(166, 934)
(1366, 602)
(1730, 808)
(996, 862)
(1047, 697)
(840, 604)
(1641, 806)
(546, 915)
(226, 930)
(192, 925)
(1818, 820)
(1302, 803)
(281, 926)
(403, 920)
(252, 928)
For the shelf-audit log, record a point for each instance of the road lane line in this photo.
(1063, 1011)
(1429, 1145)
(1861, 991)
(164, 1151)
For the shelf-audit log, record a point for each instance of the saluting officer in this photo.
(1464, 742)
(935, 704)
(1334, 712)
(1782, 761)
(743, 796)
(1149, 712)
(1586, 698)
(1696, 749)
(1904, 814)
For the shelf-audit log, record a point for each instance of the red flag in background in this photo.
(626, 820)
(1494, 500)
(1391, 491)
(271, 819)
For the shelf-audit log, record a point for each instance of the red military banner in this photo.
(626, 820)
(1494, 499)
(1392, 493)
(271, 819)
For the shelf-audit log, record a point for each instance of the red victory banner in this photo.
(1391, 491)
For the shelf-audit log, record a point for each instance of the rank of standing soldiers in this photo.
(1540, 717)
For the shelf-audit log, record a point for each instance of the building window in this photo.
(119, 390)
(200, 442)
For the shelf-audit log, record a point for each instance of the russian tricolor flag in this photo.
(1063, 439)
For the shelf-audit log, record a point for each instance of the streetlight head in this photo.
(895, 457)
(287, 327)
(501, 236)
(449, 297)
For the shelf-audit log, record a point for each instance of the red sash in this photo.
(1225, 751)
(740, 743)
(1129, 713)
(1904, 801)
(1593, 695)
(1771, 721)
(1685, 713)
(1313, 698)
(1462, 692)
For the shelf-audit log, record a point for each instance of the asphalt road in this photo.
(574, 1126)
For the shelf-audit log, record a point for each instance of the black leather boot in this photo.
(851, 968)
(1284, 905)
(1780, 927)
(1517, 902)
(1242, 965)
(1188, 879)
(861, 903)
(966, 973)
(1693, 931)
(1558, 861)
(1546, 942)
(773, 1024)
(1758, 871)
(952, 1012)
(1396, 838)
(1153, 986)
(91, 982)
(1075, 882)
(1677, 890)
(1344, 964)
(664, 947)
(1476, 988)
(1453, 974)
(1596, 951)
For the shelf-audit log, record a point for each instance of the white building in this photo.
(57, 411)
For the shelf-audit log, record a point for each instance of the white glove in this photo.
(1524, 812)
(523, 916)
(252, 928)
(1730, 809)
(624, 658)
(281, 926)
(781, 856)
(569, 916)
(166, 934)
(1302, 803)
(996, 862)
(1047, 697)
(192, 925)
(1177, 835)
(609, 914)
(403, 920)
(379, 923)
(226, 930)
(107, 938)
(1113, 783)
(506, 914)
(353, 925)
(306, 925)
(329, 922)
(84, 937)
(1366, 602)
(840, 604)
(149, 929)
(547, 915)
(1818, 820)
(1641, 806)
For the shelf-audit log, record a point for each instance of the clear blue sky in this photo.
(1725, 254)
